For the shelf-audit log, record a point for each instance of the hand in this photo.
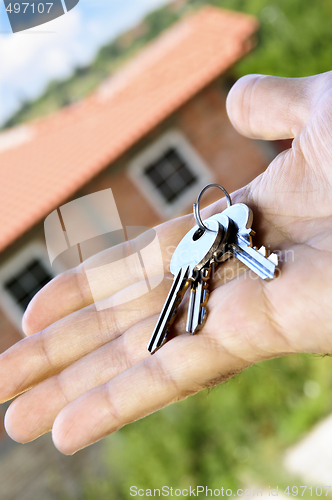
(87, 373)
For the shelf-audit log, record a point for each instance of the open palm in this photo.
(86, 373)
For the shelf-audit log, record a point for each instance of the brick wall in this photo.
(8, 333)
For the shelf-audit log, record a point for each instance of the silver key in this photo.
(255, 259)
(167, 316)
(239, 245)
(193, 252)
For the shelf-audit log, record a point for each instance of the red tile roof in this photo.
(46, 161)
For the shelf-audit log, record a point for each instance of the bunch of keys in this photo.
(224, 235)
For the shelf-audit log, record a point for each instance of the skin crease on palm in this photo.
(84, 374)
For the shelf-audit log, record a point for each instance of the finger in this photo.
(269, 107)
(71, 291)
(103, 275)
(48, 352)
(33, 413)
(235, 310)
(178, 370)
(241, 329)
(42, 355)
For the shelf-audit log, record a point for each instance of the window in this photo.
(26, 283)
(21, 278)
(170, 174)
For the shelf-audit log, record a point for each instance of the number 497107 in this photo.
(22, 8)
(299, 491)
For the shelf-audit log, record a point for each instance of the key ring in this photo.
(197, 215)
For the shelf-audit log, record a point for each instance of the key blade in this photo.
(197, 307)
(191, 307)
(203, 312)
(167, 314)
(199, 297)
(262, 266)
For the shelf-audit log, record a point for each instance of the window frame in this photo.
(12, 267)
(173, 139)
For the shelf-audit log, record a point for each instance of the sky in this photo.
(32, 58)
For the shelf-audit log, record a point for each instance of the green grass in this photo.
(232, 436)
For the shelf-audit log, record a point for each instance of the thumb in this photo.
(270, 107)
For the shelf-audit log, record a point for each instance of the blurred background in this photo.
(131, 96)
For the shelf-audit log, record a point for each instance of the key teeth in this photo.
(273, 258)
(262, 251)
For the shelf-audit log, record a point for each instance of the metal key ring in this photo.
(197, 215)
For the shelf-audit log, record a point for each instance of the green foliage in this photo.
(295, 39)
(231, 436)
(159, 20)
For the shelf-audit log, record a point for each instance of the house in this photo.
(155, 133)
